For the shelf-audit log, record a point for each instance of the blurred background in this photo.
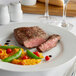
(55, 7)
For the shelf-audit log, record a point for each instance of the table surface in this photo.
(35, 18)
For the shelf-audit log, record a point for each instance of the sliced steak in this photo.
(49, 44)
(30, 37)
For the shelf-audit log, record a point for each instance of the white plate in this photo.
(63, 52)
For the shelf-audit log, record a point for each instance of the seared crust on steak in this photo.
(28, 36)
(50, 43)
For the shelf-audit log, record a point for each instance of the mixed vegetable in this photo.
(17, 55)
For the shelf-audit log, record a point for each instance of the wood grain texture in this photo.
(39, 8)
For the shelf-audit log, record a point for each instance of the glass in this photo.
(46, 9)
(47, 18)
(64, 24)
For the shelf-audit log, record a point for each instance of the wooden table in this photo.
(39, 8)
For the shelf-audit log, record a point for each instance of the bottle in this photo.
(16, 13)
(4, 14)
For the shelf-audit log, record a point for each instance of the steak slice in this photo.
(30, 37)
(49, 44)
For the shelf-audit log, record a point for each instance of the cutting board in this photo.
(39, 8)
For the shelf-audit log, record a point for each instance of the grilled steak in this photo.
(30, 37)
(49, 44)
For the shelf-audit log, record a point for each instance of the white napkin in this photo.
(64, 70)
(5, 2)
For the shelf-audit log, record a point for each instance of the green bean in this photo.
(30, 54)
(7, 47)
(15, 56)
